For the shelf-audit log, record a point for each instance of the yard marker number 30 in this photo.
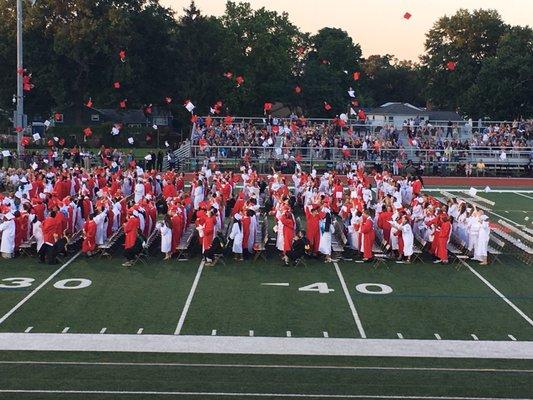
(20, 283)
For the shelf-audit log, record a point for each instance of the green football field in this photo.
(131, 318)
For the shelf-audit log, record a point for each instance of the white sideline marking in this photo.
(492, 190)
(140, 331)
(189, 299)
(65, 330)
(474, 336)
(275, 284)
(400, 336)
(267, 366)
(102, 331)
(28, 329)
(437, 336)
(214, 332)
(502, 349)
(244, 394)
(251, 333)
(43, 284)
(326, 335)
(350, 302)
(523, 195)
(486, 282)
(289, 334)
(512, 337)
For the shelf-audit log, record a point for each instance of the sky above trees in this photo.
(377, 25)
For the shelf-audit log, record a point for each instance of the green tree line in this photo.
(248, 57)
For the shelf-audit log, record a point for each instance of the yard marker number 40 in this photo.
(20, 283)
(322, 287)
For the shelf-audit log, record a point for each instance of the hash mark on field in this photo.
(214, 332)
(103, 330)
(289, 333)
(251, 333)
(438, 336)
(325, 334)
(65, 330)
(474, 337)
(507, 212)
(140, 331)
(512, 337)
(28, 329)
(400, 336)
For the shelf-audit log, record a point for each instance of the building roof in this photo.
(126, 116)
(396, 108)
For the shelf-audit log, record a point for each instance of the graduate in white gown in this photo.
(236, 236)
(7, 228)
(481, 247)
(37, 231)
(165, 228)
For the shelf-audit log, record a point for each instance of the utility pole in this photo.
(19, 119)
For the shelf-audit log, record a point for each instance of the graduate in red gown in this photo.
(289, 225)
(89, 236)
(367, 233)
(313, 217)
(384, 222)
(442, 236)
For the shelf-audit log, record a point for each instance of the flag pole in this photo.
(19, 116)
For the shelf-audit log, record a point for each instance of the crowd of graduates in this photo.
(227, 209)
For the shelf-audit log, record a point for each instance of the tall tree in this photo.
(504, 86)
(387, 79)
(261, 46)
(466, 38)
(328, 72)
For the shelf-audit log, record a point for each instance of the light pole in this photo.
(19, 119)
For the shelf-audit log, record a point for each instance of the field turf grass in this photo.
(427, 301)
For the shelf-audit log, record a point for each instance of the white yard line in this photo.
(140, 331)
(251, 333)
(189, 299)
(501, 349)
(512, 337)
(267, 366)
(65, 330)
(325, 334)
(102, 331)
(350, 302)
(34, 291)
(214, 332)
(437, 336)
(474, 337)
(28, 329)
(400, 336)
(491, 287)
(289, 334)
(244, 394)
(523, 195)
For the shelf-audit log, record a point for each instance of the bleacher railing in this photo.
(515, 161)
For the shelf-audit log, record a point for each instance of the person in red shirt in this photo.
(89, 237)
